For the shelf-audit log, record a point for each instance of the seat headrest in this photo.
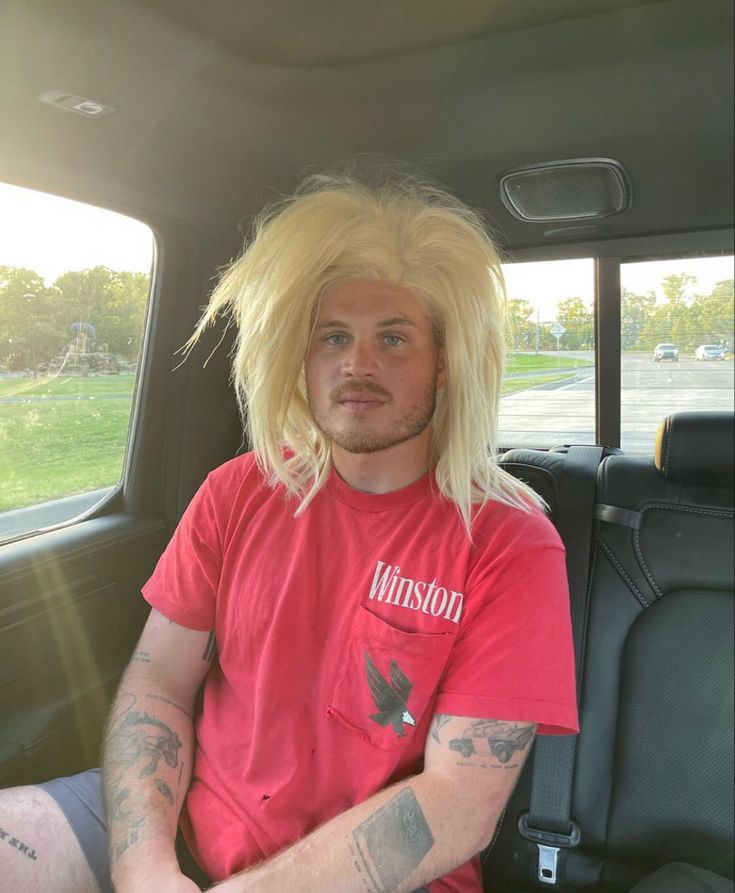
(697, 448)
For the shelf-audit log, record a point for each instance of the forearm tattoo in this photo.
(391, 842)
(139, 746)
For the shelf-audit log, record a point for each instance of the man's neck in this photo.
(386, 470)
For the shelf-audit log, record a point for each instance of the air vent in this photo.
(578, 189)
(80, 105)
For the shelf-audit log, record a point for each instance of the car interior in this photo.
(598, 129)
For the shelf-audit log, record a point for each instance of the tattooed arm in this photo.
(148, 755)
(418, 830)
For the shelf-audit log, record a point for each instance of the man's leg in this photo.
(40, 852)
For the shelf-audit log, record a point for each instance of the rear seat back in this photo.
(653, 780)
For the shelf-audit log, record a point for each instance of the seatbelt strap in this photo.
(548, 822)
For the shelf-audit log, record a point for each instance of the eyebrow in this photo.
(381, 324)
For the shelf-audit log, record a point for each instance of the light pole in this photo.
(30, 298)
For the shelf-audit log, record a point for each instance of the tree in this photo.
(712, 317)
(674, 286)
(634, 312)
(579, 324)
(29, 333)
(113, 303)
(520, 326)
(36, 329)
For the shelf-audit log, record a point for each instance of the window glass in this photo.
(548, 395)
(677, 338)
(74, 284)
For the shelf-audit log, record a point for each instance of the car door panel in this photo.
(70, 614)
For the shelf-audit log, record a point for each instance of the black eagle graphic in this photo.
(390, 698)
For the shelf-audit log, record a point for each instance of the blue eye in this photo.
(336, 338)
(393, 340)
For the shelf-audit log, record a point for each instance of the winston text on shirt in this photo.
(417, 595)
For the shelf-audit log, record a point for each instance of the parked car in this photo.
(666, 352)
(709, 352)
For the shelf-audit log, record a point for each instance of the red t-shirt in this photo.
(312, 616)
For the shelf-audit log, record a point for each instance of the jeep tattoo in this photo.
(497, 738)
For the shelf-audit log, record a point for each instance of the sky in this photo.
(52, 235)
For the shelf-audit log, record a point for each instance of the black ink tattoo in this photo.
(140, 735)
(143, 657)
(18, 845)
(118, 811)
(171, 703)
(124, 703)
(132, 836)
(210, 652)
(489, 737)
(393, 841)
(115, 807)
(165, 791)
(440, 720)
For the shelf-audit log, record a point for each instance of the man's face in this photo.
(372, 368)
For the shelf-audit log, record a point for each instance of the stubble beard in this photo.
(359, 438)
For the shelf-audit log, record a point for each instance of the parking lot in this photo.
(565, 412)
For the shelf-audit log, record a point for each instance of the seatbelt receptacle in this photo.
(549, 843)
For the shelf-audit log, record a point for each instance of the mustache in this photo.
(351, 387)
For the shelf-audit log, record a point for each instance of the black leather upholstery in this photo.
(653, 777)
(697, 448)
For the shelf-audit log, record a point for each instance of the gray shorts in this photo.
(80, 799)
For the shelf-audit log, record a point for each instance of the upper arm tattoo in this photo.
(487, 738)
(440, 719)
(392, 841)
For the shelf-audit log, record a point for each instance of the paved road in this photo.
(565, 413)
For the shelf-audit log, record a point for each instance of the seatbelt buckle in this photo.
(548, 843)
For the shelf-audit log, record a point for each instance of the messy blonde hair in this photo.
(398, 230)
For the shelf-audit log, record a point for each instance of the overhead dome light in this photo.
(577, 189)
(80, 105)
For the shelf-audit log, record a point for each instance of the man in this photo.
(376, 612)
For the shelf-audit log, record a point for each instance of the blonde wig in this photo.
(399, 230)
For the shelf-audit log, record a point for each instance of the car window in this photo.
(548, 392)
(676, 318)
(74, 285)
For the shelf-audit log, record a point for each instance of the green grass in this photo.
(529, 362)
(51, 448)
(66, 386)
(511, 385)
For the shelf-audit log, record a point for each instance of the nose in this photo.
(359, 360)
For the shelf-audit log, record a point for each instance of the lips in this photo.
(361, 399)
(360, 404)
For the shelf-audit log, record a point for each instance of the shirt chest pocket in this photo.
(386, 679)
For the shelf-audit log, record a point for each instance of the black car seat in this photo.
(653, 771)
